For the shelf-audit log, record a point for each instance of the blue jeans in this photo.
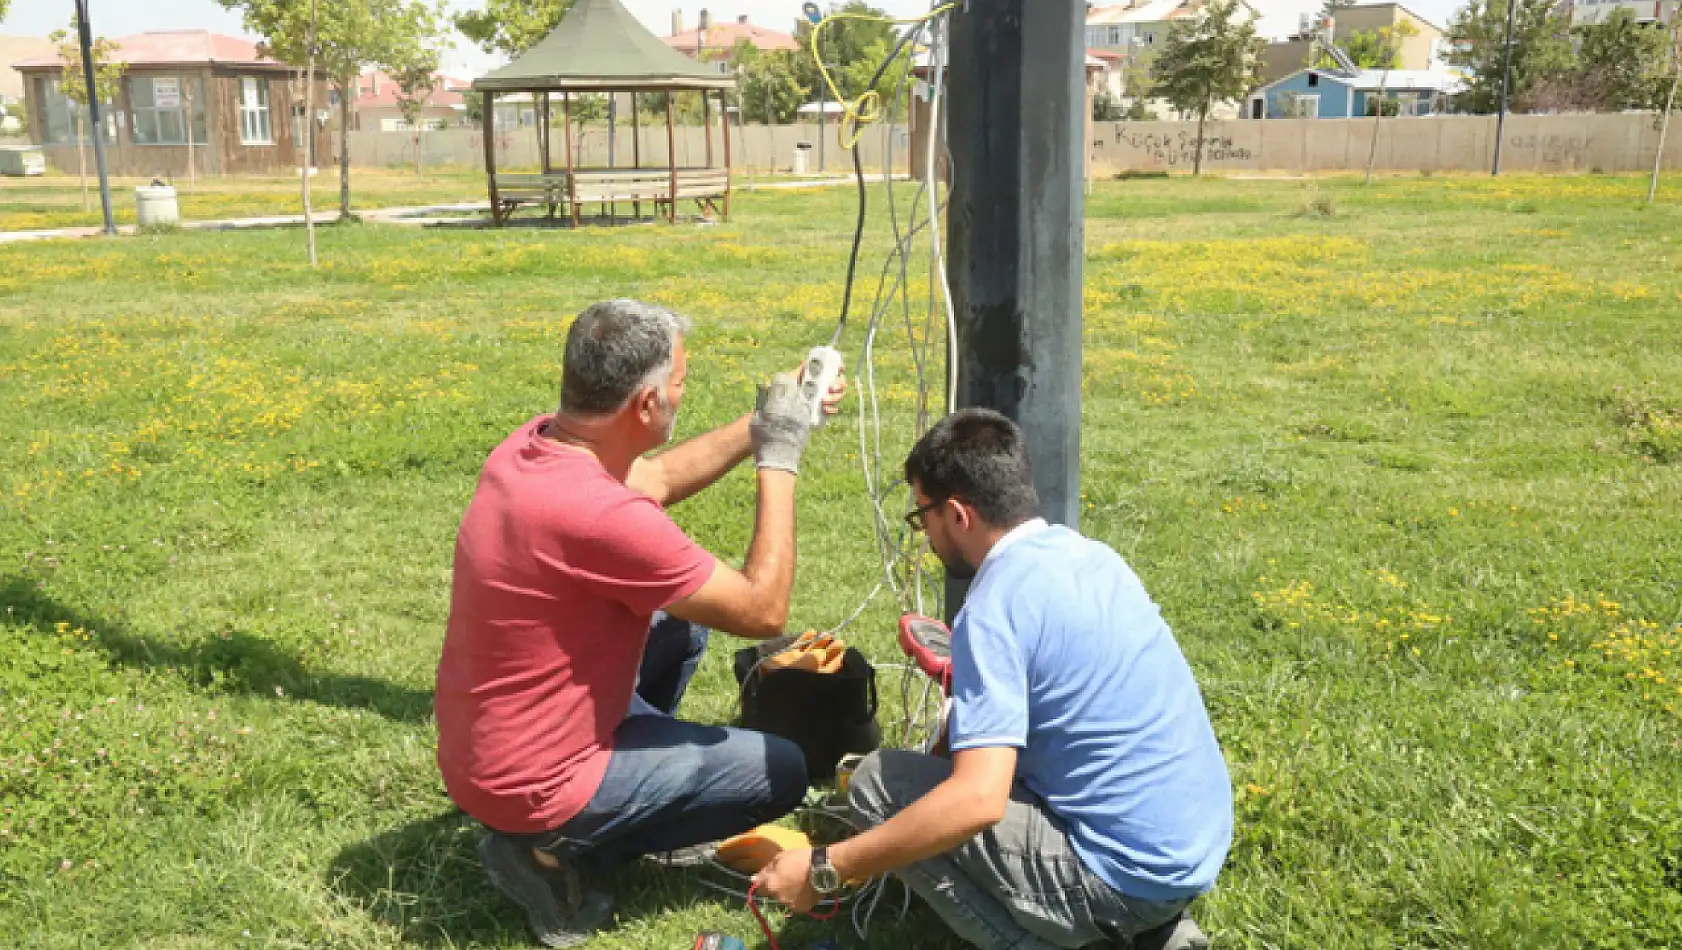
(670, 783)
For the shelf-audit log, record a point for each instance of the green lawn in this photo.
(55, 201)
(1407, 481)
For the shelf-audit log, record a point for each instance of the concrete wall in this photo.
(758, 148)
(1547, 144)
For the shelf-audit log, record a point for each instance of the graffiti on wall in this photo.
(1552, 149)
(1173, 149)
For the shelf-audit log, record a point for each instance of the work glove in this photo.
(781, 422)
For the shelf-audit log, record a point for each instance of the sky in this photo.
(119, 17)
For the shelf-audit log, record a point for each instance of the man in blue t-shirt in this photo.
(1086, 798)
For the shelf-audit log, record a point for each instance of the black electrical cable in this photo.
(858, 173)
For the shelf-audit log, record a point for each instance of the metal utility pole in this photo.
(1506, 82)
(85, 36)
(1015, 128)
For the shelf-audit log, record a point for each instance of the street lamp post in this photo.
(1506, 82)
(85, 36)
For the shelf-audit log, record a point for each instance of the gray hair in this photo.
(615, 349)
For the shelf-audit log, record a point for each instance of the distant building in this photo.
(1135, 27)
(1422, 51)
(1584, 12)
(375, 106)
(1339, 94)
(716, 42)
(14, 49)
(245, 112)
(1104, 75)
(1118, 33)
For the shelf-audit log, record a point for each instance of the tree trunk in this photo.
(1664, 128)
(344, 152)
(82, 161)
(417, 150)
(309, 139)
(1197, 153)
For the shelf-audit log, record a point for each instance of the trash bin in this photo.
(155, 206)
(802, 157)
(21, 161)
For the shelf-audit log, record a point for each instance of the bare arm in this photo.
(753, 602)
(691, 466)
(971, 801)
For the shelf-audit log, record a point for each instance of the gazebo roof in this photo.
(601, 46)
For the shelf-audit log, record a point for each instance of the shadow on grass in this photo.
(424, 879)
(229, 661)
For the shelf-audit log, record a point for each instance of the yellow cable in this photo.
(868, 107)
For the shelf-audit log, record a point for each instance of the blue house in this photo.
(1348, 94)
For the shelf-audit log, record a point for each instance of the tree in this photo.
(1621, 64)
(1541, 51)
(347, 38)
(5, 5)
(865, 37)
(1107, 107)
(1209, 59)
(854, 78)
(1675, 53)
(768, 84)
(415, 82)
(1380, 48)
(512, 26)
(73, 83)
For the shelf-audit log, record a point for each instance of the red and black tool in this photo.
(929, 645)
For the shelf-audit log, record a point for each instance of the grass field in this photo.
(1407, 480)
(55, 201)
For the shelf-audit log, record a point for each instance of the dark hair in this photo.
(979, 457)
(614, 349)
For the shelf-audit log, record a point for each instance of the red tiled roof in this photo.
(375, 89)
(722, 37)
(1107, 55)
(175, 47)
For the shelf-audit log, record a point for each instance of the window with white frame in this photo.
(1307, 107)
(255, 127)
(158, 107)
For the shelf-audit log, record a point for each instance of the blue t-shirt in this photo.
(1060, 653)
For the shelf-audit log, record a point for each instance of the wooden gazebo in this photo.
(601, 48)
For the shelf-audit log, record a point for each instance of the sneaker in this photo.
(559, 910)
(1181, 933)
(691, 857)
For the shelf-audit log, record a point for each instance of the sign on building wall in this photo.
(166, 93)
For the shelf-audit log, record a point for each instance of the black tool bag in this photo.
(828, 715)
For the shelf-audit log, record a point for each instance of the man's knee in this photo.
(785, 774)
(887, 781)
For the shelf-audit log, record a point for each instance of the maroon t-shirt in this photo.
(559, 568)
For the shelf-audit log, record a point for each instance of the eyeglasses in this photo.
(914, 517)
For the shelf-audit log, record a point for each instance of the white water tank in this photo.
(155, 206)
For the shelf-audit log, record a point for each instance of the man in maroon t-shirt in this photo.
(579, 610)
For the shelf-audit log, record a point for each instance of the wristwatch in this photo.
(825, 879)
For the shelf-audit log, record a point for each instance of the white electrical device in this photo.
(823, 364)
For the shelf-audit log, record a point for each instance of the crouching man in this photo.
(1086, 800)
(579, 610)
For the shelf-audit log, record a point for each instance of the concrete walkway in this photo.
(413, 216)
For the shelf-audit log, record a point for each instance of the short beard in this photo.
(961, 570)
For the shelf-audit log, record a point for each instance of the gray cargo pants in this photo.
(1017, 886)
